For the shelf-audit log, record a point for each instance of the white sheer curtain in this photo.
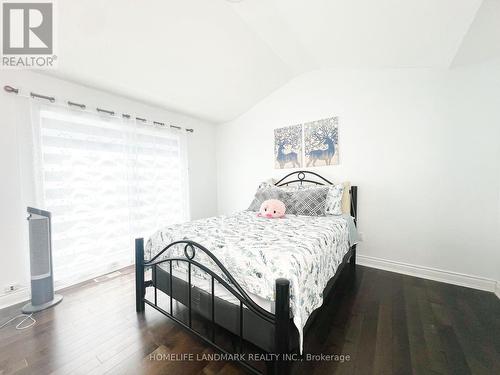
(106, 181)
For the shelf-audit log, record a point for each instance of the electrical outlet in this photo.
(12, 288)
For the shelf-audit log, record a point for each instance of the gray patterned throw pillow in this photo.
(267, 191)
(309, 201)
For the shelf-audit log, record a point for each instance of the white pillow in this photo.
(334, 200)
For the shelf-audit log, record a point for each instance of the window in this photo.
(106, 181)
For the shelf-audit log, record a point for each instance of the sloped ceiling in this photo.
(482, 42)
(216, 59)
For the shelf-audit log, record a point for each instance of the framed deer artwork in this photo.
(321, 142)
(313, 144)
(288, 147)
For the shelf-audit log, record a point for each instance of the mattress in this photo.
(219, 290)
(306, 250)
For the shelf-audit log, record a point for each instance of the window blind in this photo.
(106, 181)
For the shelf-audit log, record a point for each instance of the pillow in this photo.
(334, 198)
(346, 194)
(308, 201)
(346, 198)
(265, 192)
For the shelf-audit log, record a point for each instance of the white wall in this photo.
(422, 145)
(14, 262)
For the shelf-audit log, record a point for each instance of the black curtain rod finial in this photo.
(190, 130)
(11, 89)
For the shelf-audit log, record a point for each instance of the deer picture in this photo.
(283, 158)
(322, 154)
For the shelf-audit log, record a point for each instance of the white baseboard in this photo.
(449, 277)
(13, 298)
(24, 294)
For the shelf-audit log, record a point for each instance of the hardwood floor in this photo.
(387, 323)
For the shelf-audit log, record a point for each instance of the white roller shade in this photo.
(106, 181)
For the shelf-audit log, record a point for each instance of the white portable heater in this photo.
(42, 279)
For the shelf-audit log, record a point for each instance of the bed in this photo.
(260, 279)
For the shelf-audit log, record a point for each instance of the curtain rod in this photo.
(51, 99)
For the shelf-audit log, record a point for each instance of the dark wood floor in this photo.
(387, 323)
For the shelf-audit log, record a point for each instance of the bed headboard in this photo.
(301, 177)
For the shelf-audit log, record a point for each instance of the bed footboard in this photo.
(281, 331)
(280, 319)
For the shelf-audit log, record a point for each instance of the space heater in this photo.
(42, 278)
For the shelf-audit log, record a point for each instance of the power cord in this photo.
(20, 326)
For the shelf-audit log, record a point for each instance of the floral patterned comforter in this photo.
(303, 249)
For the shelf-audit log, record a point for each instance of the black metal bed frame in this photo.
(281, 317)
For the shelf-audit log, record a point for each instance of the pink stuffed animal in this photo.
(272, 209)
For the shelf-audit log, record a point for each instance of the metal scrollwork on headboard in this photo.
(301, 177)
